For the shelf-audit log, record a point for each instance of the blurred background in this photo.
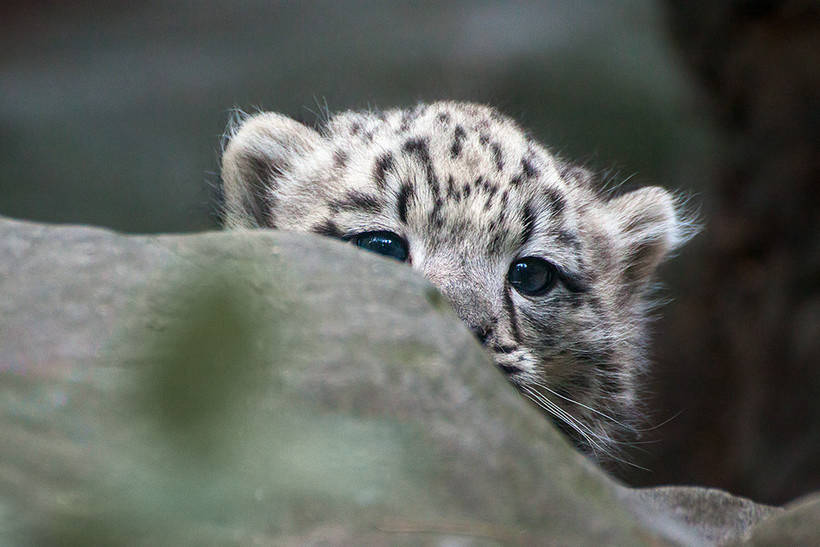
(111, 114)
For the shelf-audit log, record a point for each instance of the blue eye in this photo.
(532, 276)
(384, 243)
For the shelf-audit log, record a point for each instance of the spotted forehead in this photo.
(451, 170)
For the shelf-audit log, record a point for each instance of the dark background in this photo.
(112, 114)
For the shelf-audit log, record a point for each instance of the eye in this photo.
(384, 243)
(532, 276)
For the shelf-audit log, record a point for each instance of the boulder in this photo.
(275, 388)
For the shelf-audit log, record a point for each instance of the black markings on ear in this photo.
(402, 202)
(383, 165)
(357, 201)
(458, 137)
(509, 307)
(528, 217)
(260, 200)
(418, 148)
(327, 228)
(633, 273)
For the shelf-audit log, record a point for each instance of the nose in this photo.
(474, 308)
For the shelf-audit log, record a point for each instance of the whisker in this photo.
(607, 416)
(564, 416)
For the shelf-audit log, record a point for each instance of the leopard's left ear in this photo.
(649, 227)
(260, 152)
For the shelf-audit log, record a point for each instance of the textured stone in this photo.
(272, 388)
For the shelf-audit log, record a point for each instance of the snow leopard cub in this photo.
(549, 272)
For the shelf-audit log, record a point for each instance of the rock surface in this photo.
(272, 388)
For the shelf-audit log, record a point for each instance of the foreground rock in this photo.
(266, 388)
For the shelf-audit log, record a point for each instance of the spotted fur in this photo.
(470, 192)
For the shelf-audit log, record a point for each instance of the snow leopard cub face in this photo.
(549, 273)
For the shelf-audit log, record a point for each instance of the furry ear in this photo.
(260, 150)
(648, 230)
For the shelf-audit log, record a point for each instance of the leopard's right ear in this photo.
(261, 150)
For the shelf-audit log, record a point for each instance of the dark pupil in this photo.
(384, 243)
(531, 276)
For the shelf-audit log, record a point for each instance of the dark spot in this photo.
(483, 139)
(408, 116)
(402, 202)
(466, 190)
(555, 201)
(355, 200)
(383, 165)
(435, 213)
(528, 217)
(499, 161)
(327, 228)
(508, 369)
(458, 137)
(528, 168)
(355, 128)
(418, 147)
(516, 180)
(509, 307)
(503, 349)
(444, 118)
(565, 237)
(339, 158)
(504, 197)
(574, 174)
(451, 188)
